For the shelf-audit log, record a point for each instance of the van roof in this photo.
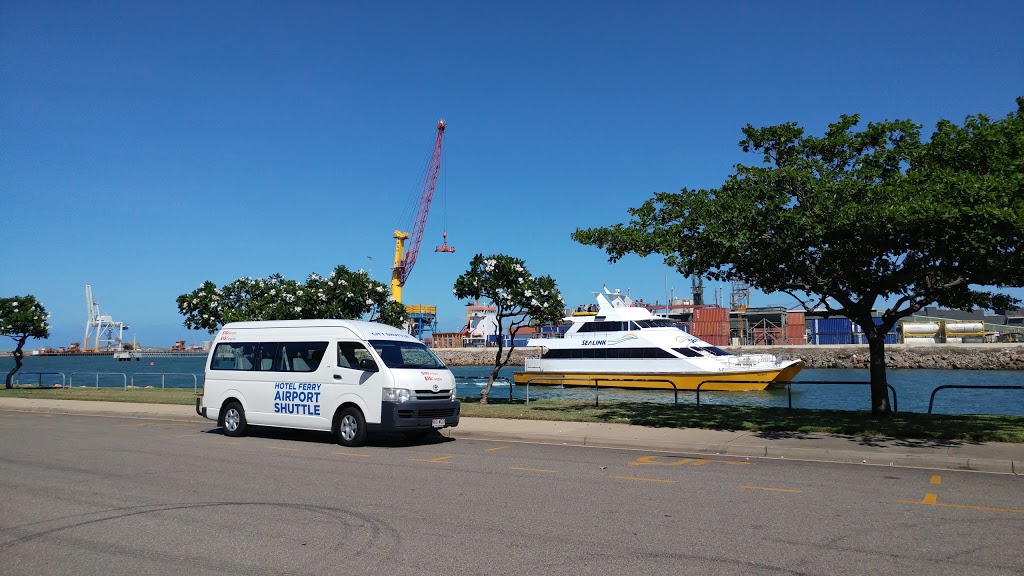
(365, 330)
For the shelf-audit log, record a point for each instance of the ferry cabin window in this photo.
(623, 326)
(714, 351)
(688, 352)
(350, 353)
(271, 356)
(656, 323)
(608, 326)
(607, 354)
(397, 354)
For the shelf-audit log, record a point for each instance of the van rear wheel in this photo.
(351, 427)
(234, 420)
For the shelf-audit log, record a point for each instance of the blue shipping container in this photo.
(831, 331)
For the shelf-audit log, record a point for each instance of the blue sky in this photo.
(149, 146)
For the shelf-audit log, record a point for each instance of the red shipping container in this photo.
(715, 333)
(711, 314)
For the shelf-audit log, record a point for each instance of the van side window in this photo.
(233, 356)
(265, 356)
(301, 356)
(350, 353)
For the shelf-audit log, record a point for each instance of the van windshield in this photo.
(398, 354)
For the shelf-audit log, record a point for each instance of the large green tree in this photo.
(518, 297)
(21, 318)
(853, 220)
(344, 294)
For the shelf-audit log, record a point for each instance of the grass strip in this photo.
(967, 427)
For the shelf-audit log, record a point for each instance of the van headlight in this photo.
(451, 396)
(396, 395)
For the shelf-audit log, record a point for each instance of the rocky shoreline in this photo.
(938, 357)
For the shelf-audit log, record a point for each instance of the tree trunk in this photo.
(494, 373)
(879, 385)
(18, 355)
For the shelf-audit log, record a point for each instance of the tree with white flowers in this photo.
(21, 318)
(518, 297)
(343, 295)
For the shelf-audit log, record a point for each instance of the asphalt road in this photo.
(102, 495)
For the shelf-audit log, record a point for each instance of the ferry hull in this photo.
(721, 381)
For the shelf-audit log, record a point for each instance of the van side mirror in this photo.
(368, 365)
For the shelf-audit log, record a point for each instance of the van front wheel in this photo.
(351, 427)
(234, 420)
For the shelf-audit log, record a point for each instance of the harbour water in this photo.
(913, 387)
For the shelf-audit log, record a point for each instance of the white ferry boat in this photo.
(621, 345)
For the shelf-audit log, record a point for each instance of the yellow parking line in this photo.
(496, 449)
(771, 489)
(150, 424)
(929, 500)
(351, 454)
(284, 448)
(177, 436)
(638, 478)
(228, 442)
(671, 461)
(535, 470)
(936, 480)
(439, 459)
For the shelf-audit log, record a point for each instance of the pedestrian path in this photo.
(939, 454)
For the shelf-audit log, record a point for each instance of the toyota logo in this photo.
(435, 388)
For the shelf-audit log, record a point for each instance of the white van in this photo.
(345, 376)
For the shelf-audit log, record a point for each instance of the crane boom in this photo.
(403, 264)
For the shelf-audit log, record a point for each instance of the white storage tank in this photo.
(921, 328)
(965, 328)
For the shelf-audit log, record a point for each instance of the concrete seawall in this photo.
(938, 357)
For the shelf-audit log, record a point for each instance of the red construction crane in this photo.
(404, 261)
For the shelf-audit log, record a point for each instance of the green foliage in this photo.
(345, 294)
(23, 317)
(505, 281)
(518, 297)
(847, 219)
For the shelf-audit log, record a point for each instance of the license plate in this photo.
(437, 422)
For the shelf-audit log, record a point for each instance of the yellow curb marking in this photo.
(659, 461)
(351, 454)
(936, 480)
(439, 459)
(496, 449)
(283, 448)
(929, 500)
(771, 489)
(535, 470)
(643, 479)
(177, 436)
(228, 442)
(151, 424)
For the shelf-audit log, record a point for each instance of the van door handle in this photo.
(337, 376)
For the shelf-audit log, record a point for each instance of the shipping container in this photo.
(715, 333)
(831, 331)
(711, 314)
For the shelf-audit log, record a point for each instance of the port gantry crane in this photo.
(405, 260)
(101, 329)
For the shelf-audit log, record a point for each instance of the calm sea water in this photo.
(913, 387)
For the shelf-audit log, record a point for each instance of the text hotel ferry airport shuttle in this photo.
(625, 346)
(344, 376)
